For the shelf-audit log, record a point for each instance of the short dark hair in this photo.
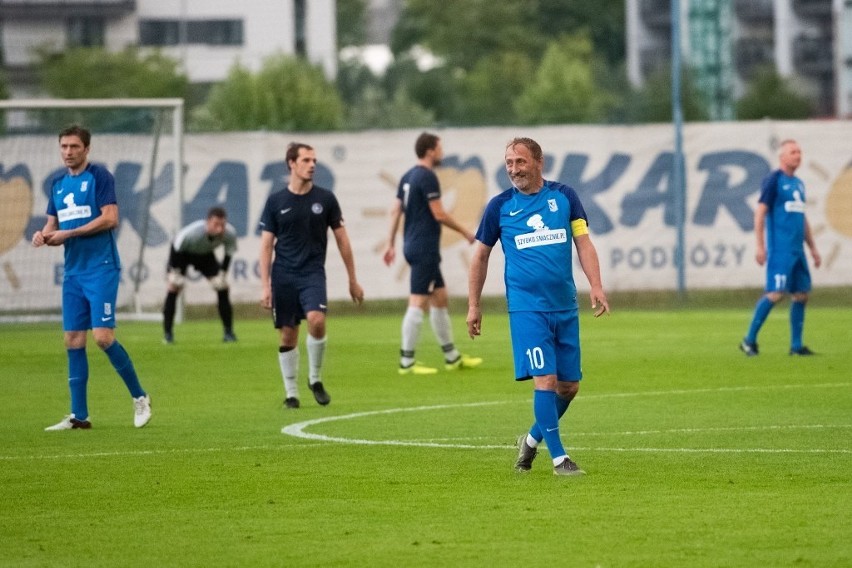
(76, 130)
(529, 144)
(217, 212)
(293, 152)
(425, 142)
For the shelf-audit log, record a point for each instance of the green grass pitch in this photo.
(695, 455)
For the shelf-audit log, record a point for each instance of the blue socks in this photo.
(761, 310)
(78, 377)
(561, 408)
(547, 421)
(124, 367)
(797, 323)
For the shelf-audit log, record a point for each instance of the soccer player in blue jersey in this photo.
(195, 245)
(781, 228)
(535, 222)
(81, 214)
(294, 224)
(418, 198)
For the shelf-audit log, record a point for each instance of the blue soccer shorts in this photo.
(293, 299)
(546, 343)
(788, 273)
(88, 300)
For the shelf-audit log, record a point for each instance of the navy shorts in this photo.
(426, 276)
(88, 300)
(546, 343)
(293, 299)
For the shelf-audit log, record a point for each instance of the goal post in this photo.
(141, 141)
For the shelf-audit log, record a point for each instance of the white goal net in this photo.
(140, 141)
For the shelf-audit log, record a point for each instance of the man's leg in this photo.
(288, 361)
(316, 343)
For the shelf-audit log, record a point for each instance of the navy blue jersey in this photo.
(421, 233)
(76, 200)
(536, 233)
(300, 224)
(784, 196)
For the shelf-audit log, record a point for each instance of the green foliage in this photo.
(93, 73)
(374, 109)
(653, 102)
(771, 96)
(603, 21)
(287, 94)
(564, 88)
(490, 89)
(435, 89)
(695, 456)
(351, 22)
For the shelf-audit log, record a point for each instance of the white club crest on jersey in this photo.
(316, 208)
(551, 203)
(73, 211)
(84, 186)
(796, 205)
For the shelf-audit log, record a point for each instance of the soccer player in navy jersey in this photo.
(81, 214)
(295, 224)
(781, 228)
(195, 245)
(418, 198)
(535, 222)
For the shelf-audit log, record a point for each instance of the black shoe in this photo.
(801, 351)
(168, 338)
(526, 455)
(319, 393)
(229, 337)
(749, 349)
(291, 402)
(567, 467)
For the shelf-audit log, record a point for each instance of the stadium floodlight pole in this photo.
(678, 175)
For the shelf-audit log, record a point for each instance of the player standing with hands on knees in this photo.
(294, 224)
(418, 198)
(195, 245)
(81, 214)
(535, 222)
(780, 219)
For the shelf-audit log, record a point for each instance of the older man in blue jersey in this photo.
(81, 214)
(781, 228)
(535, 222)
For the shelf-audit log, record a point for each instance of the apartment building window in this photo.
(198, 32)
(300, 14)
(85, 31)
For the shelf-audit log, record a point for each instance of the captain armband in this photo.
(579, 227)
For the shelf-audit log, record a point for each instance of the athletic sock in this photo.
(169, 308)
(761, 310)
(226, 311)
(288, 360)
(797, 324)
(547, 419)
(443, 329)
(411, 324)
(316, 354)
(124, 367)
(78, 377)
(535, 436)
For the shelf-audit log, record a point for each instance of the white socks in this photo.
(289, 363)
(443, 328)
(316, 354)
(411, 324)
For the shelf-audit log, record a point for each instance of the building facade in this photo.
(206, 36)
(725, 42)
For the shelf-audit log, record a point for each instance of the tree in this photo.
(351, 22)
(94, 73)
(653, 102)
(490, 89)
(770, 96)
(287, 94)
(564, 88)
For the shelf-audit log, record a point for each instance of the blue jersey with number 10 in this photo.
(536, 232)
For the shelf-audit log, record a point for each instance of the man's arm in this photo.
(809, 240)
(267, 242)
(345, 248)
(588, 256)
(49, 227)
(108, 219)
(760, 233)
(395, 216)
(441, 216)
(476, 281)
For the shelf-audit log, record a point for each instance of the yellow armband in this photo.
(579, 227)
